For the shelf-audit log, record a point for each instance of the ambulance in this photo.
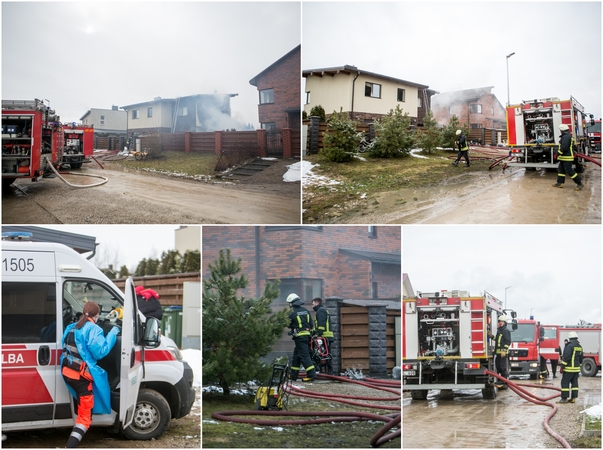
(44, 288)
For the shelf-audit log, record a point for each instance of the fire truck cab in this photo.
(446, 343)
(44, 288)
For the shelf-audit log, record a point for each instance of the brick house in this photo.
(352, 262)
(278, 88)
(364, 95)
(479, 108)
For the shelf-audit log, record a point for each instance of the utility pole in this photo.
(508, 94)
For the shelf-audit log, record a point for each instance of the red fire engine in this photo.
(445, 343)
(590, 340)
(533, 130)
(529, 342)
(79, 144)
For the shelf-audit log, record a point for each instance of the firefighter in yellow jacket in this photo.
(323, 328)
(571, 362)
(301, 325)
(565, 156)
(501, 349)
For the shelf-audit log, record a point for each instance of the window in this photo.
(374, 289)
(28, 312)
(475, 109)
(266, 96)
(492, 111)
(134, 114)
(102, 120)
(182, 111)
(306, 288)
(149, 112)
(307, 98)
(372, 90)
(402, 95)
(268, 126)
(372, 231)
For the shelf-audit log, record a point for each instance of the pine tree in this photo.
(394, 136)
(237, 331)
(430, 137)
(341, 139)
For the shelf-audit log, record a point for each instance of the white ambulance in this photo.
(44, 288)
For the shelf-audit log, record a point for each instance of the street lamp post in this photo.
(506, 295)
(508, 94)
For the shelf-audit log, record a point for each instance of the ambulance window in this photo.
(28, 312)
(79, 292)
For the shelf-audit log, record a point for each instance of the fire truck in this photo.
(590, 339)
(529, 342)
(533, 130)
(594, 136)
(33, 139)
(445, 343)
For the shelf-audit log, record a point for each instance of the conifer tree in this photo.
(237, 331)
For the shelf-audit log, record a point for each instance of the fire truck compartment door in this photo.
(131, 365)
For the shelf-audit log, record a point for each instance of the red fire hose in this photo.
(588, 158)
(537, 400)
(379, 438)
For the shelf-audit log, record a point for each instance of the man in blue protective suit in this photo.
(84, 344)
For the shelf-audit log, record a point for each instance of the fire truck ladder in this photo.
(478, 325)
(425, 100)
(175, 118)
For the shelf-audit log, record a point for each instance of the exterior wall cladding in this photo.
(285, 79)
(310, 253)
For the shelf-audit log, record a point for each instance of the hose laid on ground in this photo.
(588, 158)
(537, 400)
(379, 438)
(81, 186)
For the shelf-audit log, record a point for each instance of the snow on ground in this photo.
(294, 172)
(311, 179)
(193, 358)
(414, 152)
(593, 411)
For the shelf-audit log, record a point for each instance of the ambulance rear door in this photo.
(131, 356)
(29, 337)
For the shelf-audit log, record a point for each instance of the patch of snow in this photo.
(311, 179)
(278, 428)
(361, 158)
(193, 358)
(414, 152)
(593, 411)
(363, 195)
(269, 159)
(258, 428)
(210, 421)
(294, 172)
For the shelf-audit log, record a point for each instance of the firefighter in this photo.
(571, 362)
(463, 148)
(301, 324)
(501, 349)
(565, 156)
(83, 345)
(323, 328)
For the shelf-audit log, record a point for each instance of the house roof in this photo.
(378, 257)
(347, 70)
(389, 303)
(463, 96)
(253, 81)
(171, 100)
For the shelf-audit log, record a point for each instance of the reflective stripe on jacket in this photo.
(301, 320)
(572, 356)
(503, 339)
(566, 147)
(323, 322)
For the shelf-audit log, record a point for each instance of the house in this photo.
(279, 86)
(111, 121)
(365, 96)
(356, 262)
(478, 108)
(202, 112)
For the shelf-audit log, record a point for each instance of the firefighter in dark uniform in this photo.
(571, 362)
(463, 148)
(323, 328)
(301, 325)
(501, 349)
(565, 156)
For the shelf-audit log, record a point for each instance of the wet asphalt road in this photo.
(464, 419)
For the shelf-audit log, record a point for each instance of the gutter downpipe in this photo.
(353, 88)
(257, 262)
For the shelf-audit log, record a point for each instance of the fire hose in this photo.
(515, 387)
(588, 158)
(379, 438)
(105, 179)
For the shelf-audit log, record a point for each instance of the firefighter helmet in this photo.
(458, 132)
(294, 300)
(503, 318)
(563, 127)
(572, 335)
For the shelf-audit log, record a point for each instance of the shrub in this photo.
(394, 136)
(341, 138)
(319, 111)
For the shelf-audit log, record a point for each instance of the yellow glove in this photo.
(503, 353)
(118, 312)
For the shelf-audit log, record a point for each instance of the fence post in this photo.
(262, 140)
(371, 132)
(187, 142)
(377, 316)
(333, 304)
(218, 142)
(313, 134)
(287, 144)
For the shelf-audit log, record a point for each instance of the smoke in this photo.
(213, 114)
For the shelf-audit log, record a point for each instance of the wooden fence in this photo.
(169, 287)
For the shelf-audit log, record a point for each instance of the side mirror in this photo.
(151, 333)
(541, 333)
(514, 324)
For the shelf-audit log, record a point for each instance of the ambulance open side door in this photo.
(131, 357)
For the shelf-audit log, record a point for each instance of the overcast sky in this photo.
(125, 244)
(554, 271)
(463, 45)
(94, 55)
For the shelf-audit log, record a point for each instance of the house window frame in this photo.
(268, 126)
(307, 98)
(266, 96)
(135, 114)
(182, 111)
(369, 89)
(403, 91)
(149, 112)
(300, 287)
(475, 108)
(372, 231)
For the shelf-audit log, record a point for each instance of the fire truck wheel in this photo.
(419, 395)
(76, 166)
(589, 367)
(151, 417)
(6, 182)
(489, 392)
